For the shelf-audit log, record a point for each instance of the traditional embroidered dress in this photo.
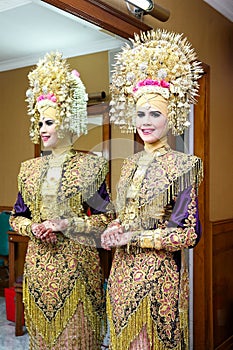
(62, 293)
(147, 297)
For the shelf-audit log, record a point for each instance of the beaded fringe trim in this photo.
(50, 331)
(193, 177)
(140, 318)
(33, 200)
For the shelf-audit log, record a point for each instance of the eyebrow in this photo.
(45, 119)
(154, 111)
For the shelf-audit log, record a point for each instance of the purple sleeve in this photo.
(99, 201)
(180, 212)
(20, 208)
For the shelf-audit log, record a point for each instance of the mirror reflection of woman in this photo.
(62, 206)
(147, 298)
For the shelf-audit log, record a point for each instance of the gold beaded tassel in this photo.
(155, 206)
(184, 299)
(97, 182)
(139, 319)
(51, 330)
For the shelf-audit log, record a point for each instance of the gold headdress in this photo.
(53, 84)
(160, 62)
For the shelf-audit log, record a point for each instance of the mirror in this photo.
(84, 28)
(43, 27)
(39, 28)
(31, 28)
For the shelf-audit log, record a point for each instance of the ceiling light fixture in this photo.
(139, 8)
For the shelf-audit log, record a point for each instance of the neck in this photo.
(152, 147)
(58, 151)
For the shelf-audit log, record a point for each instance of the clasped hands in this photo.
(46, 231)
(115, 236)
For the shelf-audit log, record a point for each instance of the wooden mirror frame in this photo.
(102, 15)
(119, 23)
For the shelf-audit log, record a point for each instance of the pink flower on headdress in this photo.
(49, 96)
(151, 82)
(164, 84)
(75, 73)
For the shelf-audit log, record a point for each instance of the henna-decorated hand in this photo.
(47, 235)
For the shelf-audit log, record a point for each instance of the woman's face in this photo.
(151, 124)
(48, 132)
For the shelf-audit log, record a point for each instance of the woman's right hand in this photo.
(47, 235)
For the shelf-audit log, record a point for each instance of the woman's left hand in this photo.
(124, 238)
(114, 237)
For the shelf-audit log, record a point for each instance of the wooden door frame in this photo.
(119, 23)
(203, 300)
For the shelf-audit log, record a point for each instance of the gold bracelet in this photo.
(157, 241)
(151, 239)
(147, 241)
(29, 229)
(79, 224)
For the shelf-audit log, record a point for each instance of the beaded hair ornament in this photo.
(159, 62)
(52, 84)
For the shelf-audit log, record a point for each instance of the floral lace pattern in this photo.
(149, 273)
(62, 262)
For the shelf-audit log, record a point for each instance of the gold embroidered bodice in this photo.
(149, 181)
(50, 186)
(132, 213)
(68, 184)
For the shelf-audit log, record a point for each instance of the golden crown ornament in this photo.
(52, 83)
(158, 62)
